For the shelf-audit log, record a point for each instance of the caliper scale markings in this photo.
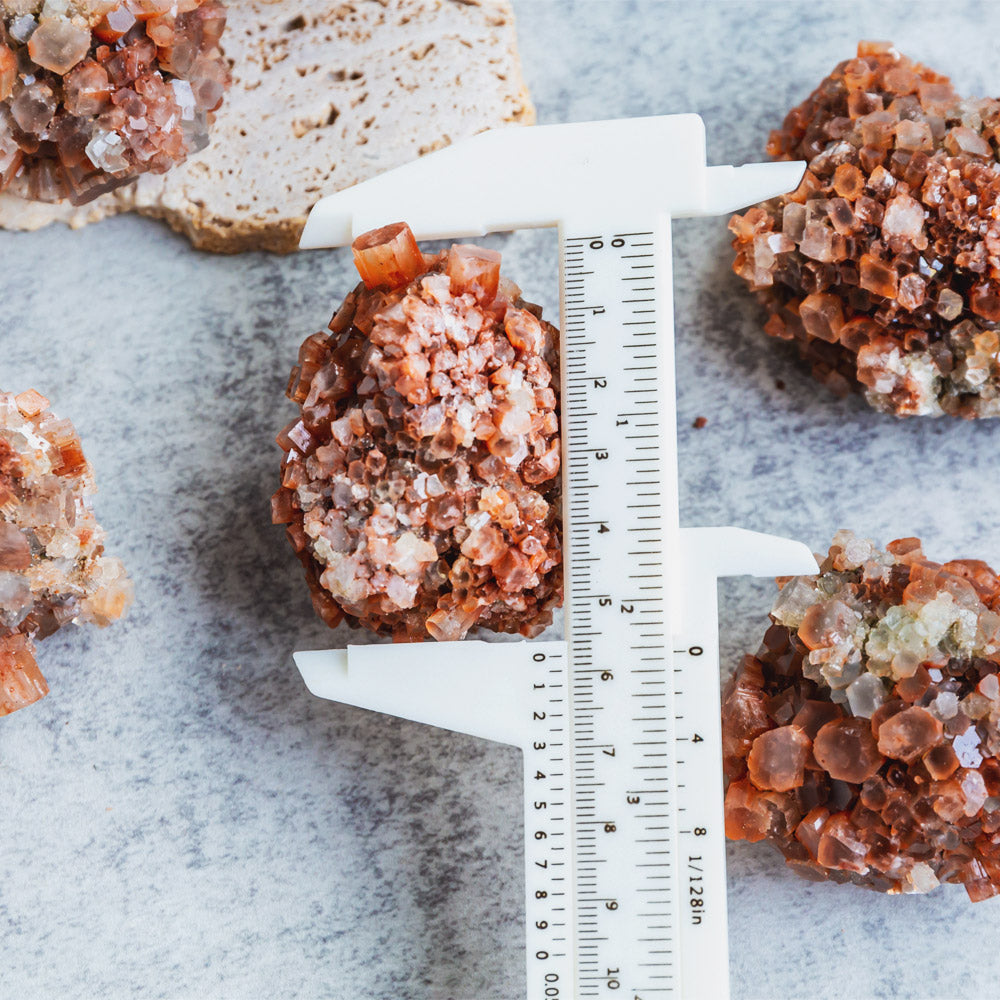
(617, 624)
(619, 894)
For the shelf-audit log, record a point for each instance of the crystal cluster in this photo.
(94, 93)
(883, 266)
(863, 739)
(52, 567)
(420, 484)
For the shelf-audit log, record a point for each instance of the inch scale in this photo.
(625, 891)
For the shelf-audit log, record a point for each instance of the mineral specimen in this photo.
(421, 484)
(94, 93)
(863, 739)
(52, 567)
(883, 267)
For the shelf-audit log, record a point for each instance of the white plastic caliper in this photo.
(624, 854)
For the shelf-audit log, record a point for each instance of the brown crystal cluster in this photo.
(94, 93)
(52, 567)
(863, 739)
(884, 265)
(420, 484)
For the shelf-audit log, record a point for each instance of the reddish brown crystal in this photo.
(388, 257)
(890, 664)
(882, 267)
(97, 92)
(941, 762)
(813, 716)
(909, 734)
(846, 750)
(746, 716)
(420, 486)
(754, 815)
(52, 564)
(21, 682)
(777, 759)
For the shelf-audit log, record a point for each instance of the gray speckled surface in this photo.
(181, 819)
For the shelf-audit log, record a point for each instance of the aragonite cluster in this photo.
(883, 267)
(420, 483)
(53, 570)
(863, 739)
(94, 93)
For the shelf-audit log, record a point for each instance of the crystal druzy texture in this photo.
(863, 738)
(884, 265)
(94, 93)
(52, 567)
(421, 482)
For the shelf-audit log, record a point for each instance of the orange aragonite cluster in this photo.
(883, 267)
(863, 739)
(94, 93)
(420, 483)
(53, 570)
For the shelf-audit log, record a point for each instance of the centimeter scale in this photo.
(624, 855)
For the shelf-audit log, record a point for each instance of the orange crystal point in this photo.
(31, 402)
(8, 71)
(474, 269)
(388, 257)
(21, 682)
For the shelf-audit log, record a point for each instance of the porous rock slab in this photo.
(324, 95)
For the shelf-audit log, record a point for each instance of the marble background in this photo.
(181, 819)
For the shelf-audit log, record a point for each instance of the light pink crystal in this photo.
(59, 44)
